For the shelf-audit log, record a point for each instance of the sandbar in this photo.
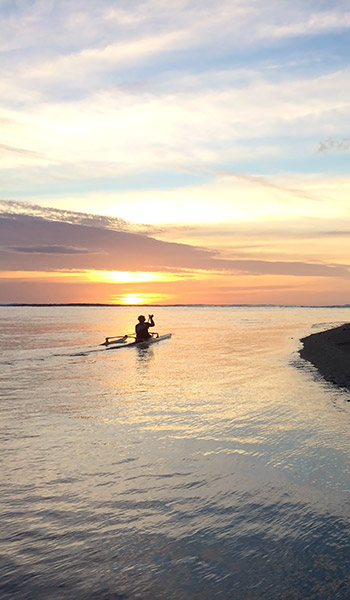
(329, 352)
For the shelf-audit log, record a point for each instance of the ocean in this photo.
(215, 464)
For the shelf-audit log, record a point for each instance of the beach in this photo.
(329, 352)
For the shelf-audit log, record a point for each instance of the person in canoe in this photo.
(142, 328)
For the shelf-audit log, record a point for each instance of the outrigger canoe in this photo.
(116, 342)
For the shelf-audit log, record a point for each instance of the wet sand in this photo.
(329, 352)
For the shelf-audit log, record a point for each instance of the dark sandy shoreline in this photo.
(329, 352)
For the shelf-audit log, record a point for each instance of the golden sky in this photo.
(169, 153)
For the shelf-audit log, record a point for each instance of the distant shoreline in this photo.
(329, 352)
(91, 304)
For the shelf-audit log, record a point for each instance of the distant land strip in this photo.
(19, 304)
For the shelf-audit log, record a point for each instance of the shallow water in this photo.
(211, 465)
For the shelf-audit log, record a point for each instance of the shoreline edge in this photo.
(329, 352)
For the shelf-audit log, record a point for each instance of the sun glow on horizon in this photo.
(101, 276)
(139, 299)
(132, 299)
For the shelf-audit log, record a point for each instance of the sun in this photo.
(132, 299)
(129, 298)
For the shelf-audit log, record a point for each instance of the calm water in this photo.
(211, 465)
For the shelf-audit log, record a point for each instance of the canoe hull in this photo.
(143, 344)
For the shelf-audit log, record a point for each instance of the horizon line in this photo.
(108, 305)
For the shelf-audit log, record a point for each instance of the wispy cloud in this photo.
(82, 66)
(116, 130)
(15, 210)
(49, 250)
(4, 149)
(289, 193)
(331, 144)
(309, 24)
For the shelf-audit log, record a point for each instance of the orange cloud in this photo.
(45, 260)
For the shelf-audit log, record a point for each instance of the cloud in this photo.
(116, 130)
(58, 22)
(119, 250)
(14, 209)
(214, 199)
(49, 250)
(308, 239)
(259, 181)
(291, 229)
(149, 88)
(331, 144)
(309, 24)
(4, 148)
(92, 62)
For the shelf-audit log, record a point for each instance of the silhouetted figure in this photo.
(142, 327)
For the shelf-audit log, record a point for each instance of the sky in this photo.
(162, 152)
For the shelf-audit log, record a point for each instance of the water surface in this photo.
(211, 465)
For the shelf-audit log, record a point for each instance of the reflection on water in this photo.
(144, 355)
(214, 464)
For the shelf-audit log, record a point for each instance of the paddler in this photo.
(142, 328)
